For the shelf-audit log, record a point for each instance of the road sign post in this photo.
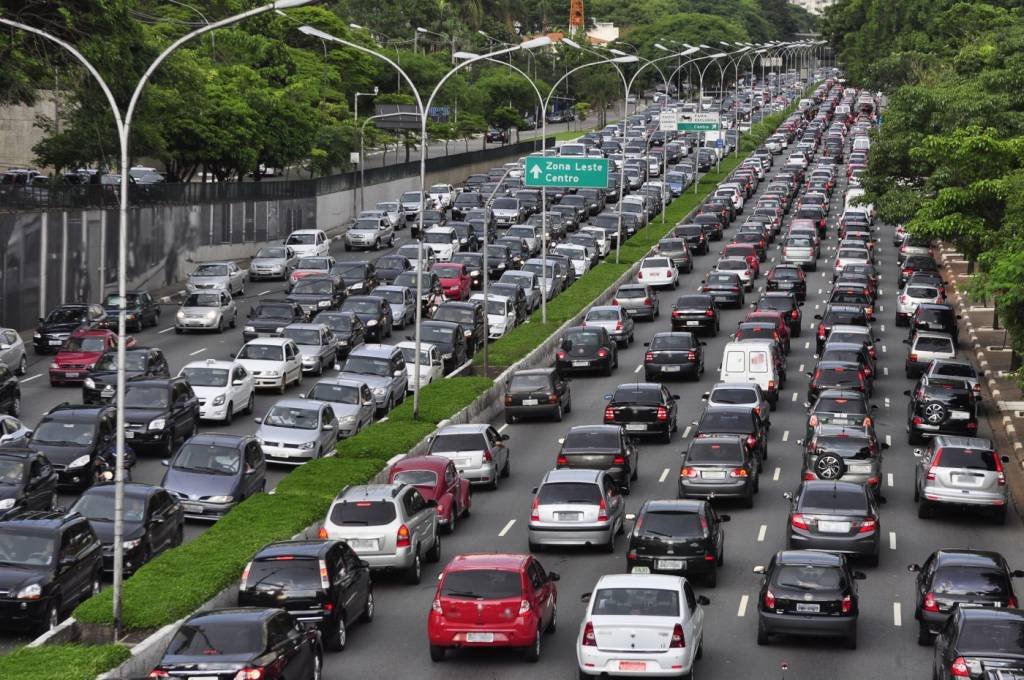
(576, 172)
(700, 122)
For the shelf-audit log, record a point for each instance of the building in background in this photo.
(813, 6)
(603, 33)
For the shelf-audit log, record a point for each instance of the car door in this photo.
(400, 377)
(328, 429)
(163, 521)
(367, 406)
(72, 575)
(228, 308)
(284, 642)
(542, 592)
(500, 451)
(39, 487)
(292, 365)
(360, 586)
(421, 516)
(241, 387)
(693, 624)
(613, 499)
(321, 243)
(254, 470)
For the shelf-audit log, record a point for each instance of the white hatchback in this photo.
(658, 271)
(224, 388)
(308, 242)
(273, 362)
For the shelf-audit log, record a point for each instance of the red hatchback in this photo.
(492, 600)
(746, 251)
(455, 280)
(777, 318)
(437, 479)
(79, 353)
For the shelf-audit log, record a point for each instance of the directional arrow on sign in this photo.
(535, 172)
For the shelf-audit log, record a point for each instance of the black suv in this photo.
(323, 583)
(159, 412)
(49, 562)
(315, 294)
(73, 438)
(941, 318)
(27, 480)
(348, 330)
(450, 339)
(267, 318)
(537, 391)
(679, 537)
(469, 315)
(141, 310)
(941, 405)
(10, 392)
(57, 326)
(101, 381)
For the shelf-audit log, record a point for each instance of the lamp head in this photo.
(542, 41)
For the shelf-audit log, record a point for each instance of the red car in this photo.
(746, 251)
(455, 280)
(777, 318)
(437, 479)
(315, 265)
(78, 354)
(492, 600)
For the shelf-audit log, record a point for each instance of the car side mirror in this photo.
(675, 396)
(859, 575)
(561, 440)
(703, 600)
(914, 568)
(818, 317)
(759, 569)
(788, 495)
(884, 446)
(585, 597)
(705, 396)
(165, 462)
(1017, 573)
(554, 576)
(906, 393)
(432, 503)
(1004, 459)
(906, 342)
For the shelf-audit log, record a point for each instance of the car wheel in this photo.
(252, 403)
(999, 516)
(532, 653)
(436, 653)
(23, 365)
(711, 578)
(52, 618)
(229, 413)
(15, 409)
(924, 638)
(338, 638)
(510, 420)
(851, 641)
(450, 528)
(763, 636)
(415, 572)
(925, 510)
(558, 414)
(284, 385)
(179, 537)
(434, 554)
(368, 610)
(507, 469)
(872, 560)
(234, 320)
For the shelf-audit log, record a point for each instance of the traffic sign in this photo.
(567, 171)
(700, 122)
(720, 143)
(668, 120)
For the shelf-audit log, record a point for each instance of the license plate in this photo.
(108, 392)
(363, 544)
(670, 369)
(640, 570)
(635, 426)
(693, 323)
(568, 516)
(713, 474)
(632, 665)
(671, 564)
(128, 434)
(579, 364)
(860, 469)
(785, 286)
(204, 677)
(959, 415)
(194, 508)
(530, 402)
(833, 527)
(56, 342)
(479, 637)
(807, 608)
(840, 418)
(71, 374)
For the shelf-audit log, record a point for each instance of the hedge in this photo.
(61, 662)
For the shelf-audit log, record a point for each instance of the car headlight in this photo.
(7, 504)
(54, 365)
(324, 303)
(30, 592)
(308, 445)
(279, 329)
(380, 391)
(37, 335)
(132, 544)
(211, 315)
(158, 424)
(446, 356)
(81, 461)
(90, 384)
(219, 399)
(220, 499)
(270, 374)
(347, 420)
(180, 314)
(475, 272)
(371, 322)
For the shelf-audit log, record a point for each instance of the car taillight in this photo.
(739, 472)
(668, 272)
(615, 302)
(649, 301)
(618, 325)
(867, 526)
(250, 674)
(751, 441)
(678, 639)
(798, 521)
(488, 458)
(794, 314)
(999, 469)
(589, 639)
(821, 331)
(677, 314)
(158, 673)
(602, 352)
(403, 540)
(640, 274)
(959, 669)
(913, 356)
(769, 599)
(535, 509)
(436, 607)
(245, 575)
(907, 271)
(560, 354)
(808, 476)
(325, 581)
(322, 534)
(929, 604)
(508, 400)
(609, 413)
(649, 356)
(552, 398)
(1012, 602)
(524, 607)
(709, 312)
(662, 413)
(691, 356)
(847, 605)
(602, 511)
(561, 460)
(687, 472)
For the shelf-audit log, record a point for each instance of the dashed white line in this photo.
(892, 540)
(502, 428)
(29, 379)
(880, 290)
(884, 349)
(887, 402)
(664, 476)
(888, 439)
(761, 532)
(742, 611)
(889, 480)
(807, 345)
(785, 436)
(885, 370)
(262, 293)
(881, 308)
(883, 327)
(897, 615)
(819, 291)
(795, 396)
(166, 330)
(504, 529)
(198, 351)
(775, 475)
(638, 368)
(686, 432)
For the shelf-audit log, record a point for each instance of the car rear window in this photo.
(214, 638)
(840, 405)
(808, 577)
(969, 459)
(636, 602)
(714, 452)
(922, 292)
(670, 523)
(733, 421)
(930, 344)
(787, 274)
(693, 302)
(471, 441)
(673, 341)
(285, 573)
(733, 395)
(529, 383)
(604, 438)
(1002, 635)
(637, 394)
(631, 293)
(363, 513)
(587, 338)
(482, 584)
(583, 493)
(833, 498)
(969, 580)
(959, 370)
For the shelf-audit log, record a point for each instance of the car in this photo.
(323, 584)
(442, 195)
(390, 526)
(101, 382)
(56, 327)
(317, 347)
(658, 271)
(738, 266)
(941, 405)
(443, 241)
(268, 318)
(837, 315)
(643, 408)
(390, 266)
(838, 375)
(785, 303)
(471, 316)
(272, 362)
(641, 625)
(450, 339)
(957, 368)
(159, 412)
(212, 473)
(696, 313)
(837, 516)
(206, 310)
(961, 472)
(308, 242)
(480, 452)
(140, 310)
(693, 234)
(746, 251)
(473, 593)
(916, 263)
(787, 278)
(976, 639)
(538, 391)
(50, 561)
(13, 430)
(431, 367)
(27, 479)
(358, 278)
(154, 521)
(725, 288)
(351, 401)
(79, 354)
(586, 348)
(576, 507)
(530, 285)
(501, 314)
(273, 262)
(853, 352)
(743, 394)
(224, 388)
(838, 407)
(938, 318)
(925, 347)
(382, 367)
(437, 479)
(720, 466)
(370, 233)
(808, 593)
(671, 354)
(12, 351)
(677, 537)
(578, 256)
(294, 431)
(412, 202)
(431, 293)
(245, 638)
(950, 579)
(402, 302)
(601, 447)
(848, 452)
(614, 320)
(312, 265)
(638, 299)
(10, 392)
(73, 438)
(219, 276)
(349, 332)
(779, 322)
(318, 293)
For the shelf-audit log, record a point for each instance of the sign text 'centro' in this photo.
(566, 172)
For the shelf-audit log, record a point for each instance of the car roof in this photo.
(572, 475)
(374, 350)
(307, 326)
(77, 412)
(502, 561)
(211, 439)
(295, 402)
(953, 441)
(968, 558)
(688, 504)
(229, 614)
(654, 581)
(39, 521)
(277, 342)
(133, 489)
(436, 463)
(379, 492)
(933, 334)
(289, 548)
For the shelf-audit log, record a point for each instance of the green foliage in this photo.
(61, 662)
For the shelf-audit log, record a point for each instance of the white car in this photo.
(740, 266)
(912, 296)
(501, 314)
(393, 211)
(640, 625)
(12, 429)
(442, 195)
(577, 256)
(604, 244)
(849, 255)
(273, 362)
(658, 271)
(410, 251)
(306, 242)
(442, 241)
(224, 388)
(431, 365)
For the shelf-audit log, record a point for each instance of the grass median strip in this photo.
(61, 662)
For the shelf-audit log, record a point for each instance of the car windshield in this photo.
(958, 370)
(599, 439)
(808, 577)
(211, 270)
(210, 458)
(56, 432)
(409, 354)
(733, 265)
(198, 376)
(262, 353)
(99, 507)
(1000, 636)
(958, 579)
(470, 441)
(62, 316)
(392, 262)
(26, 550)
(392, 295)
(447, 271)
(849, 336)
(482, 584)
(275, 311)
(303, 336)
(851, 297)
(350, 272)
(636, 602)
(457, 314)
(672, 244)
(505, 204)
(714, 452)
(655, 263)
(301, 239)
(840, 405)
(416, 477)
(722, 280)
(521, 232)
(366, 223)
(292, 417)
(443, 336)
(829, 497)
(313, 287)
(133, 361)
(202, 300)
(411, 197)
(115, 300)
(371, 306)
(229, 636)
(778, 304)
(332, 392)
(852, 254)
(145, 396)
(285, 573)
(496, 307)
(336, 322)
(845, 317)
(582, 339)
(367, 365)
(363, 513)
(734, 395)
(86, 344)
(437, 237)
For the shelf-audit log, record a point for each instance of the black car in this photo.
(837, 315)
(159, 413)
(466, 201)
(787, 277)
(853, 352)
(838, 375)
(49, 562)
(499, 259)
(718, 419)
(359, 277)
(725, 287)
(518, 250)
(952, 578)
(785, 302)
(836, 516)
(27, 480)
(10, 392)
(315, 294)
(390, 266)
(227, 642)
(449, 338)
(154, 521)
(808, 593)
(347, 328)
(101, 380)
(374, 312)
(672, 354)
(321, 583)
(643, 408)
(696, 313)
(941, 318)
(470, 315)
(601, 447)
(473, 263)
(73, 439)
(677, 250)
(712, 224)
(720, 466)
(678, 537)
(941, 405)
(267, 318)
(694, 236)
(57, 326)
(838, 407)
(585, 349)
(916, 263)
(537, 391)
(141, 310)
(980, 643)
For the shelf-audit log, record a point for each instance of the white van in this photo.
(751, 361)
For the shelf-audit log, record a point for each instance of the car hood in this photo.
(267, 262)
(59, 327)
(290, 435)
(207, 279)
(261, 365)
(60, 455)
(76, 358)
(372, 381)
(199, 483)
(310, 350)
(15, 578)
(105, 531)
(267, 323)
(144, 415)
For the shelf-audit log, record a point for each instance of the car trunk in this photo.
(634, 413)
(673, 534)
(805, 602)
(633, 634)
(589, 459)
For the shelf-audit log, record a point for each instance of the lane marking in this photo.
(885, 370)
(742, 611)
(785, 436)
(819, 291)
(263, 293)
(198, 351)
(761, 532)
(883, 327)
(30, 379)
(881, 308)
(884, 349)
(801, 369)
(638, 368)
(384, 419)
(795, 396)
(775, 475)
(887, 402)
(807, 345)
(505, 529)
(888, 439)
(897, 615)
(166, 330)
(664, 476)
(892, 540)
(889, 480)
(502, 428)
(686, 432)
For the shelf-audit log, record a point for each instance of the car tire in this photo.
(913, 437)
(510, 420)
(178, 331)
(415, 572)
(711, 578)
(437, 653)
(338, 637)
(872, 560)
(532, 653)
(748, 499)
(559, 413)
(22, 365)
(763, 636)
(51, 620)
(229, 413)
(368, 610)
(250, 407)
(506, 469)
(434, 554)
(925, 510)
(851, 640)
(924, 638)
(450, 527)
(999, 516)
(15, 409)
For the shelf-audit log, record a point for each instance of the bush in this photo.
(61, 662)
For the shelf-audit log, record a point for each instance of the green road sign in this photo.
(690, 126)
(580, 172)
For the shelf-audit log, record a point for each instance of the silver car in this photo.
(296, 430)
(351, 400)
(614, 320)
(925, 347)
(576, 507)
(849, 255)
(225, 275)
(963, 472)
(402, 302)
(273, 262)
(206, 311)
(479, 452)
(638, 299)
(799, 250)
(12, 351)
(12, 429)
(317, 345)
(910, 297)
(749, 395)
(370, 233)
(393, 211)
(382, 367)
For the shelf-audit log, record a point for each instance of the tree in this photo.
(470, 125)
(506, 118)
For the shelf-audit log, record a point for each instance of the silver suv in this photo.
(390, 526)
(576, 507)
(382, 367)
(370, 233)
(479, 452)
(960, 471)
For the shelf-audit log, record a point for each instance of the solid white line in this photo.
(686, 432)
(795, 396)
(25, 380)
(775, 475)
(505, 529)
(761, 532)
(198, 351)
(502, 428)
(889, 480)
(742, 611)
(897, 616)
(785, 436)
(664, 476)
(638, 368)
(262, 293)
(166, 330)
(892, 540)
